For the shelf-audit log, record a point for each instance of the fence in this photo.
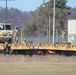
(42, 39)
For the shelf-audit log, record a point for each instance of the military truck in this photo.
(6, 33)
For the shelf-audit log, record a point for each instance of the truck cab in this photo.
(6, 33)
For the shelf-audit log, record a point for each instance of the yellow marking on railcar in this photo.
(2, 47)
(19, 46)
(49, 47)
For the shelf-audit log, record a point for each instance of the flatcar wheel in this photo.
(35, 52)
(16, 52)
(44, 52)
(6, 49)
(40, 52)
(4, 52)
(30, 53)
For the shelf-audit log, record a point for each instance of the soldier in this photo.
(63, 36)
(16, 35)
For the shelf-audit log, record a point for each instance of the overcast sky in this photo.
(27, 5)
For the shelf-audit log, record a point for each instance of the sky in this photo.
(27, 5)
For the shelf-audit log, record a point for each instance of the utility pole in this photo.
(53, 23)
(6, 7)
(43, 6)
(6, 11)
(43, 14)
(49, 29)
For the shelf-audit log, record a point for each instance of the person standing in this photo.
(16, 35)
(63, 36)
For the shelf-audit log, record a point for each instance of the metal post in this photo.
(56, 36)
(21, 36)
(54, 23)
(49, 29)
(6, 11)
(43, 18)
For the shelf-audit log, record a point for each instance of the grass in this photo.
(42, 65)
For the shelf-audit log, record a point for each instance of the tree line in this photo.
(15, 16)
(39, 23)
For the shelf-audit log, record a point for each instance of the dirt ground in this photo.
(37, 65)
(37, 58)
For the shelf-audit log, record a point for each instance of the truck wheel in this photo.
(10, 41)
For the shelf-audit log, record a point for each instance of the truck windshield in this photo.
(1, 27)
(8, 27)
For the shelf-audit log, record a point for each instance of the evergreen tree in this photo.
(40, 18)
